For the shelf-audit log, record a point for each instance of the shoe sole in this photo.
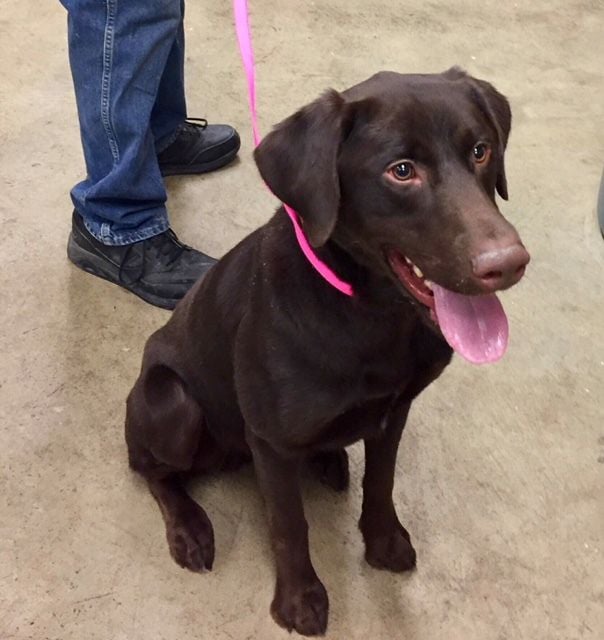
(196, 169)
(95, 265)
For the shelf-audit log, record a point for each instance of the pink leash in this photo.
(244, 38)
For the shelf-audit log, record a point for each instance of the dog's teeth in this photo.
(417, 271)
(428, 284)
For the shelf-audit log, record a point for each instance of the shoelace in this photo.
(172, 249)
(194, 123)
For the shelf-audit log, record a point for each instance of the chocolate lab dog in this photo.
(394, 181)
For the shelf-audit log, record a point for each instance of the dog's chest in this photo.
(368, 400)
(363, 421)
(381, 386)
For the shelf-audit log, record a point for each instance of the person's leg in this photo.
(186, 146)
(118, 52)
(127, 63)
(170, 108)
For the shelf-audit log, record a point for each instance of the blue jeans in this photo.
(127, 59)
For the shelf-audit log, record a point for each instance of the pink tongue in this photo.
(475, 326)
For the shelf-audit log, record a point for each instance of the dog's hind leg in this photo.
(188, 529)
(166, 438)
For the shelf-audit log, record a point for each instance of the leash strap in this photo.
(244, 38)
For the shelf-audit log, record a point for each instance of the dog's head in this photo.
(401, 171)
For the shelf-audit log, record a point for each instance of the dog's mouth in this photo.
(475, 326)
(412, 278)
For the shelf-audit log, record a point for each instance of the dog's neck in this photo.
(372, 287)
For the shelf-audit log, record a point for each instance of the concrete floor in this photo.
(500, 476)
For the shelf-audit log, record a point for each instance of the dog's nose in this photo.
(500, 268)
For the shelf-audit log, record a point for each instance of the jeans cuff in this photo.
(104, 233)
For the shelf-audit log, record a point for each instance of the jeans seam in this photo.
(106, 79)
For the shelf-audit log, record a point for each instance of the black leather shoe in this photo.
(199, 147)
(160, 270)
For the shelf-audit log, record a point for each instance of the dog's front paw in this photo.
(301, 607)
(392, 551)
(191, 540)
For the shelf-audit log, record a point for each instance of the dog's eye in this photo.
(481, 152)
(402, 171)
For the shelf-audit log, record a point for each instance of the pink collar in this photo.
(247, 55)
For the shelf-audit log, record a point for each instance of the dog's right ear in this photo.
(298, 161)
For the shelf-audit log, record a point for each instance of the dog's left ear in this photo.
(496, 108)
(298, 161)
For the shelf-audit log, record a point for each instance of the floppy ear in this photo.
(298, 159)
(497, 109)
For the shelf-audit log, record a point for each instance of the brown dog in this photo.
(394, 180)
